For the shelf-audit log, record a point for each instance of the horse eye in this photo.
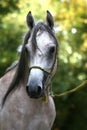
(52, 49)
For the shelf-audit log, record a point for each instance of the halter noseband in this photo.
(38, 67)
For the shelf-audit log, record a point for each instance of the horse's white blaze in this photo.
(44, 41)
(36, 74)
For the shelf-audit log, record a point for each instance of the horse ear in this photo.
(49, 20)
(30, 20)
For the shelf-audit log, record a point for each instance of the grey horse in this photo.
(25, 99)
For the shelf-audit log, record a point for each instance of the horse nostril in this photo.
(39, 90)
(27, 88)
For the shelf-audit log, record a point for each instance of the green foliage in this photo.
(10, 38)
(8, 6)
(71, 28)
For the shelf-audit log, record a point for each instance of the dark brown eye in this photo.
(52, 50)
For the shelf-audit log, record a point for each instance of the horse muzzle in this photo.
(35, 88)
(37, 82)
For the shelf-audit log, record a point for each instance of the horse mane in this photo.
(22, 64)
(20, 71)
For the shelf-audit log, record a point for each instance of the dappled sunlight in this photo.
(82, 76)
(73, 30)
(75, 58)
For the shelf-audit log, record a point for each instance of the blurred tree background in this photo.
(71, 29)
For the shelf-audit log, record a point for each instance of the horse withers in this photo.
(25, 99)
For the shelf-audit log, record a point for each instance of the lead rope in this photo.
(45, 97)
(70, 91)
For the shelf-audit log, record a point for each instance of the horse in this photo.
(25, 89)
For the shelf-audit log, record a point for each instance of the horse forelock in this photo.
(42, 27)
(20, 72)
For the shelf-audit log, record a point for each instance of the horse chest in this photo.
(40, 115)
(21, 113)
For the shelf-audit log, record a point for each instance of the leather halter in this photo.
(48, 86)
(50, 73)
